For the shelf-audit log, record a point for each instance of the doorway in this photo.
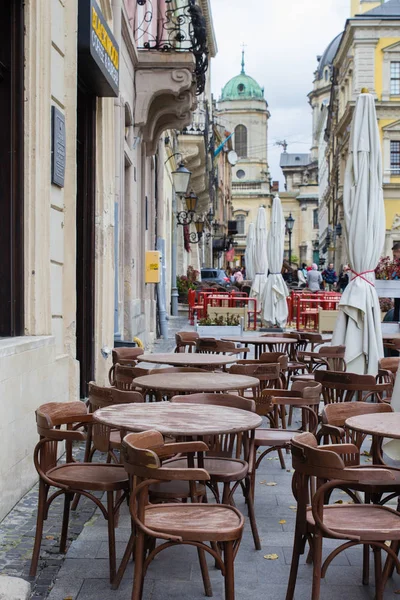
(12, 168)
(85, 236)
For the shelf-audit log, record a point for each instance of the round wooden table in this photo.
(379, 425)
(178, 419)
(187, 359)
(261, 342)
(194, 382)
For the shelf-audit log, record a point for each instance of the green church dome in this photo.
(242, 87)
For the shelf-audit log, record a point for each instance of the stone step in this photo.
(14, 588)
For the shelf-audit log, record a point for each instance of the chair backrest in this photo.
(191, 297)
(185, 341)
(102, 397)
(275, 357)
(268, 374)
(304, 394)
(58, 421)
(336, 414)
(391, 363)
(124, 376)
(213, 346)
(179, 370)
(125, 356)
(333, 357)
(230, 400)
(224, 445)
(345, 387)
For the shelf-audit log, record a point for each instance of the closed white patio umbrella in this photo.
(358, 325)
(274, 304)
(260, 255)
(249, 252)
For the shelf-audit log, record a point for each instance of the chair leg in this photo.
(229, 571)
(317, 565)
(43, 491)
(138, 573)
(253, 522)
(297, 545)
(111, 535)
(281, 459)
(379, 581)
(64, 530)
(204, 572)
(365, 571)
(124, 562)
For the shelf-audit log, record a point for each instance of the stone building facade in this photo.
(368, 56)
(82, 119)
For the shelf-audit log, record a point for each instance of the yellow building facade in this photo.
(368, 56)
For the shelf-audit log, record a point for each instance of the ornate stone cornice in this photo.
(165, 94)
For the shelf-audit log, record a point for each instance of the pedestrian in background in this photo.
(330, 278)
(344, 278)
(314, 279)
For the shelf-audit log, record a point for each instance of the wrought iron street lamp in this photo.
(289, 230)
(180, 181)
(185, 217)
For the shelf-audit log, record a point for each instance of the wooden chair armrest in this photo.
(341, 448)
(181, 448)
(332, 431)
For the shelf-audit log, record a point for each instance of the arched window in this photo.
(241, 141)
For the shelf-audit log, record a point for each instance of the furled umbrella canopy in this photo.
(275, 310)
(358, 325)
(249, 252)
(260, 255)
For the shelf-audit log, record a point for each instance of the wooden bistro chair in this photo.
(72, 477)
(272, 404)
(213, 346)
(365, 524)
(100, 437)
(125, 376)
(190, 523)
(333, 431)
(345, 387)
(268, 375)
(230, 459)
(329, 358)
(186, 341)
(268, 358)
(126, 356)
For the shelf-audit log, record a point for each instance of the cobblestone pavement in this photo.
(83, 573)
(17, 530)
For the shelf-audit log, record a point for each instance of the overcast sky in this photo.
(283, 39)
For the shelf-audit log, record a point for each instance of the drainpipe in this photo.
(160, 246)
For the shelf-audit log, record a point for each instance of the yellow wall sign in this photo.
(153, 267)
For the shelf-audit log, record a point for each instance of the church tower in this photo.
(243, 111)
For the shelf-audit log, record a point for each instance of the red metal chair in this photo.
(193, 307)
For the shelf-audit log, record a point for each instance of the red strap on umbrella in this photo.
(361, 275)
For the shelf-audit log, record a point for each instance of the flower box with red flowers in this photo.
(387, 275)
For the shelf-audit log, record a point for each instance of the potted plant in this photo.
(219, 326)
(187, 282)
(387, 275)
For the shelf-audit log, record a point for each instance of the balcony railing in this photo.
(237, 185)
(169, 26)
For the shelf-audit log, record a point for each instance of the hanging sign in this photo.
(98, 51)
